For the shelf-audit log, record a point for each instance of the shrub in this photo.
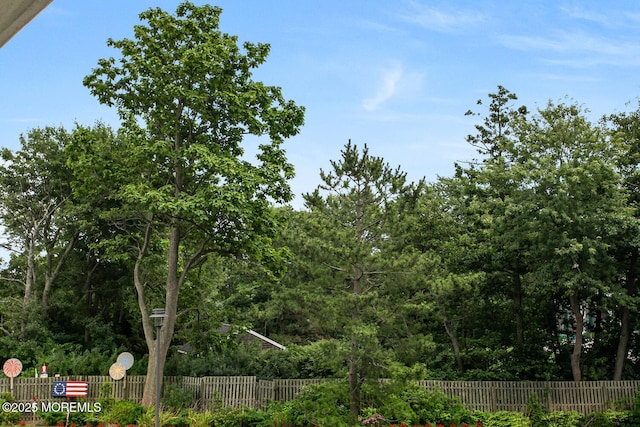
(124, 412)
(8, 417)
(409, 403)
(563, 419)
(51, 418)
(148, 417)
(503, 419)
(200, 419)
(255, 418)
(105, 395)
(327, 404)
(324, 405)
(610, 418)
(227, 417)
(176, 399)
(281, 414)
(535, 412)
(177, 420)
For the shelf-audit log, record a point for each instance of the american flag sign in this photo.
(69, 389)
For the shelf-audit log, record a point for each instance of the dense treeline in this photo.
(522, 265)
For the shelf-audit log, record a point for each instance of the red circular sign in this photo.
(12, 368)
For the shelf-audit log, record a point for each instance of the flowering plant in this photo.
(478, 424)
(372, 418)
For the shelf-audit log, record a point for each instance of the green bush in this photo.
(610, 418)
(563, 419)
(51, 418)
(175, 398)
(281, 414)
(415, 405)
(200, 419)
(227, 417)
(8, 417)
(327, 404)
(180, 419)
(124, 412)
(323, 405)
(503, 419)
(105, 396)
(535, 411)
(255, 418)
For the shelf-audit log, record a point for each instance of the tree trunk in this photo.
(174, 280)
(448, 326)
(29, 281)
(625, 327)
(577, 345)
(31, 274)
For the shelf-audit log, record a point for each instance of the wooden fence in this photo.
(211, 392)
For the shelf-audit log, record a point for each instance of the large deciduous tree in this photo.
(625, 132)
(551, 210)
(185, 93)
(36, 208)
(580, 211)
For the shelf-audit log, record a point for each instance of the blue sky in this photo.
(395, 75)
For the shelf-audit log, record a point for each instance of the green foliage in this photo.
(105, 395)
(180, 419)
(123, 412)
(200, 419)
(281, 414)
(457, 276)
(323, 405)
(177, 399)
(327, 404)
(610, 418)
(51, 418)
(147, 418)
(227, 417)
(8, 417)
(563, 419)
(321, 359)
(182, 171)
(256, 418)
(535, 411)
(413, 404)
(69, 359)
(503, 419)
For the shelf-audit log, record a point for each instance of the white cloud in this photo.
(579, 48)
(387, 88)
(580, 13)
(442, 20)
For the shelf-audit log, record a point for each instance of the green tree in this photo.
(185, 93)
(497, 193)
(36, 209)
(543, 210)
(485, 240)
(625, 131)
(357, 206)
(296, 308)
(579, 210)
